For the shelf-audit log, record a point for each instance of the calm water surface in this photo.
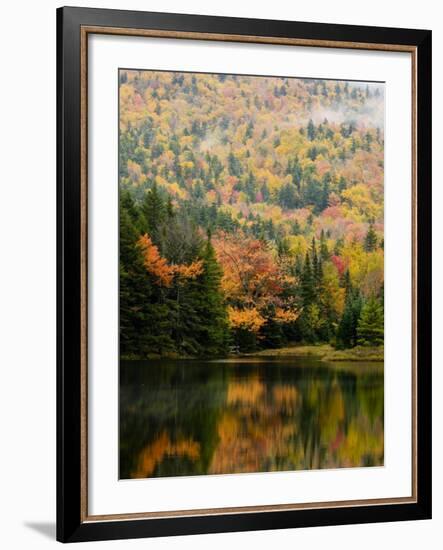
(248, 415)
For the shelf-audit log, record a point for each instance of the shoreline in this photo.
(323, 352)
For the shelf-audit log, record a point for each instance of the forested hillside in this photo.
(251, 213)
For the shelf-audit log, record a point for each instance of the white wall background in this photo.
(27, 273)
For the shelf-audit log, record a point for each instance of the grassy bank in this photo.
(326, 352)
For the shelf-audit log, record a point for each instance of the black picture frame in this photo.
(71, 525)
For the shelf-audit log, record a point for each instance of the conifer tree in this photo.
(347, 328)
(145, 311)
(153, 210)
(370, 328)
(213, 311)
(316, 263)
(324, 251)
(370, 242)
(307, 282)
(310, 310)
(324, 196)
(311, 130)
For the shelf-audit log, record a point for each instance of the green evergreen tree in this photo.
(347, 327)
(311, 130)
(308, 318)
(154, 211)
(272, 334)
(317, 270)
(370, 242)
(307, 282)
(370, 328)
(324, 251)
(346, 283)
(324, 196)
(144, 308)
(287, 196)
(298, 265)
(200, 320)
(213, 313)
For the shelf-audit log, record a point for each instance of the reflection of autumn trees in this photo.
(253, 419)
(256, 428)
(342, 430)
(162, 447)
(168, 417)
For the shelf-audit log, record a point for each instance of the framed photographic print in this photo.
(244, 274)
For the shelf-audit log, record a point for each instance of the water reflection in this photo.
(201, 417)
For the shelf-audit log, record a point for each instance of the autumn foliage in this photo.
(251, 209)
(159, 267)
(154, 263)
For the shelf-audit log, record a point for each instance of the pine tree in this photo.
(145, 311)
(308, 320)
(324, 251)
(271, 334)
(287, 196)
(316, 263)
(346, 283)
(250, 186)
(371, 324)
(324, 196)
(370, 243)
(201, 326)
(128, 259)
(311, 130)
(298, 266)
(341, 184)
(347, 327)
(307, 283)
(212, 308)
(153, 210)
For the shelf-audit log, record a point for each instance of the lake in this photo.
(254, 414)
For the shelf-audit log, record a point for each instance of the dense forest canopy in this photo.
(251, 212)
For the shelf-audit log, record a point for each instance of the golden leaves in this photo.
(246, 319)
(154, 263)
(159, 267)
(285, 315)
(190, 271)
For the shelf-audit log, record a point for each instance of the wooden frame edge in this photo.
(282, 41)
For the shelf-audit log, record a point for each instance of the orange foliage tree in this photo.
(253, 282)
(158, 266)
